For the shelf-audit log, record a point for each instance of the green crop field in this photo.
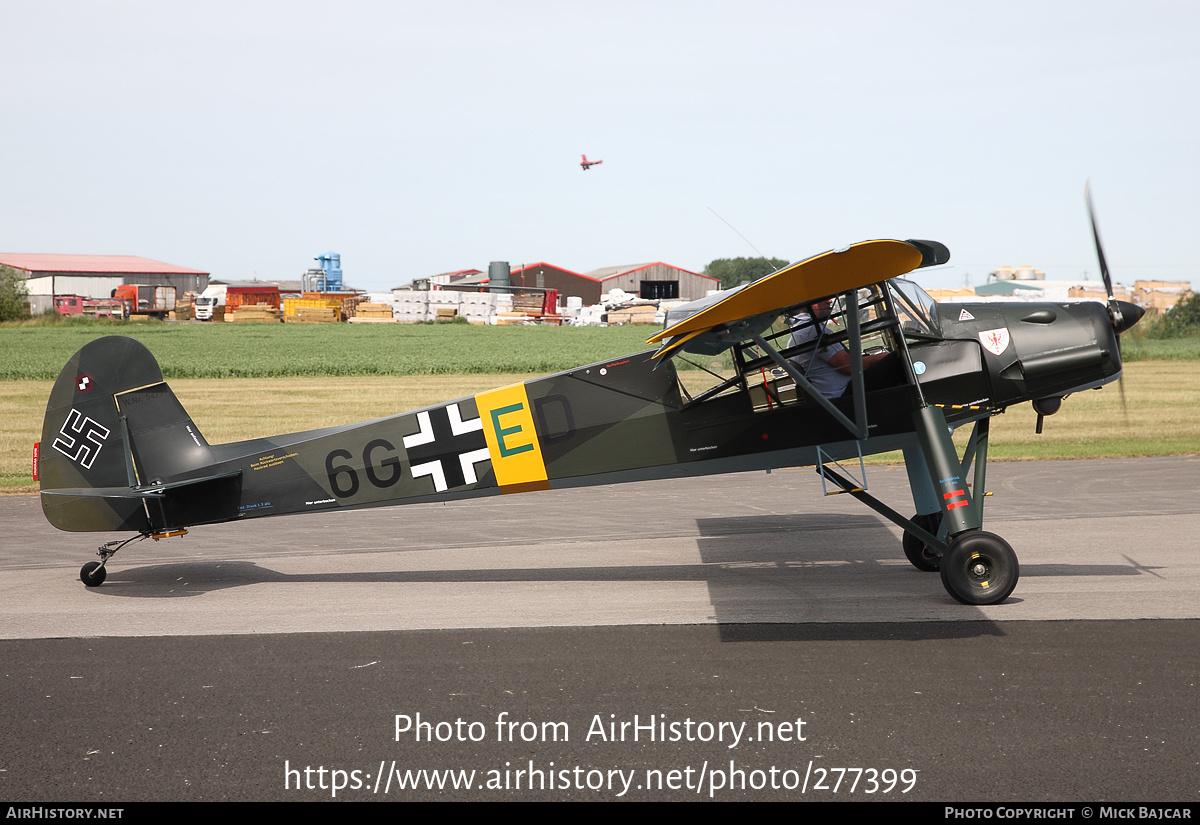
(279, 350)
(275, 350)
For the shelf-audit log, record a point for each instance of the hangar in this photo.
(95, 276)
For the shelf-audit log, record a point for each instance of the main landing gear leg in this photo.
(977, 567)
(93, 573)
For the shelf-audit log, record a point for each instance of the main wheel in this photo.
(92, 574)
(980, 568)
(918, 552)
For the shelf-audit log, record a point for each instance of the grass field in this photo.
(1162, 397)
(1134, 348)
(278, 350)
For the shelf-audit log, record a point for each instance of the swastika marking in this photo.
(81, 438)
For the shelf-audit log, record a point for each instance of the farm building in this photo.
(443, 279)
(95, 276)
(567, 283)
(655, 281)
(540, 275)
(467, 279)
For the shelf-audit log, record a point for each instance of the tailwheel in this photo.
(979, 568)
(92, 574)
(922, 556)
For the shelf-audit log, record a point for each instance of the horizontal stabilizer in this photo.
(154, 507)
(137, 493)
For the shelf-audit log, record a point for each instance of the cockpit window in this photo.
(810, 336)
(916, 310)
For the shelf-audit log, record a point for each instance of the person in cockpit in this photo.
(827, 367)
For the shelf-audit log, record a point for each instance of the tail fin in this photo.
(114, 433)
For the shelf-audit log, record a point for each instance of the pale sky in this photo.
(422, 137)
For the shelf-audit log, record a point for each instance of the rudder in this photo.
(112, 425)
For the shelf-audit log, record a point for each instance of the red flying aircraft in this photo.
(588, 164)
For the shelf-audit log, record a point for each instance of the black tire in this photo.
(980, 568)
(918, 552)
(92, 574)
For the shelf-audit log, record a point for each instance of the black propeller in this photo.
(1123, 313)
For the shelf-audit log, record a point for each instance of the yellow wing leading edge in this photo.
(829, 273)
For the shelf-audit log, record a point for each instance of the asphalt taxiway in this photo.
(207, 667)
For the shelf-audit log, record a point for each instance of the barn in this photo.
(568, 283)
(95, 276)
(655, 281)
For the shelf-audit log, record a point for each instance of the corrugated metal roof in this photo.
(608, 272)
(256, 283)
(469, 279)
(540, 264)
(108, 264)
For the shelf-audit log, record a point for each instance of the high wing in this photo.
(738, 313)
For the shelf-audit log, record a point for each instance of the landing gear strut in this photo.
(976, 567)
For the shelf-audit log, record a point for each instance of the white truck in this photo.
(212, 296)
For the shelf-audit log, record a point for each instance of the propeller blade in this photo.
(1099, 248)
(1114, 306)
(1123, 314)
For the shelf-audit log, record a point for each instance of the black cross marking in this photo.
(446, 448)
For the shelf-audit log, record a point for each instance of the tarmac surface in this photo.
(731, 637)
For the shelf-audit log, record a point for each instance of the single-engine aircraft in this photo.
(119, 453)
(588, 164)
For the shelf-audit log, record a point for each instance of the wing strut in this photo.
(908, 525)
(975, 453)
(850, 302)
(857, 427)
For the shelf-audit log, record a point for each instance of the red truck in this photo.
(145, 299)
(92, 307)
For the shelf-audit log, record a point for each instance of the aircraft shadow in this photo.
(801, 560)
(755, 567)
